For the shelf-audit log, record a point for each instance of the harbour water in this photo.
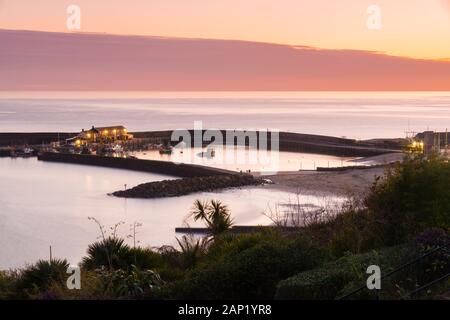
(46, 204)
(239, 158)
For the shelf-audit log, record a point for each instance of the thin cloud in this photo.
(105, 62)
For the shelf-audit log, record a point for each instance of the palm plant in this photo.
(108, 252)
(215, 214)
(41, 275)
(191, 250)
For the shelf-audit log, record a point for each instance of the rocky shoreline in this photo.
(180, 187)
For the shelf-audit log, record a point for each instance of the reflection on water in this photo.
(239, 158)
(43, 204)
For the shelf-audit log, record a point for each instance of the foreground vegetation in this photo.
(405, 215)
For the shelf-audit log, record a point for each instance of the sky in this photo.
(409, 28)
(47, 61)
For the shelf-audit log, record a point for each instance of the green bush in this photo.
(8, 281)
(338, 278)
(228, 245)
(135, 283)
(39, 277)
(349, 233)
(106, 253)
(431, 267)
(248, 267)
(414, 196)
(142, 258)
(323, 283)
(411, 197)
(113, 253)
(192, 250)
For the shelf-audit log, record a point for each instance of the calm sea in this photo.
(359, 115)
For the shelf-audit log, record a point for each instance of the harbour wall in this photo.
(290, 142)
(298, 142)
(153, 166)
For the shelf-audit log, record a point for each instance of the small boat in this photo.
(117, 148)
(24, 153)
(166, 150)
(153, 146)
(209, 153)
(181, 146)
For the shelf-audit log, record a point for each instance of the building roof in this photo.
(110, 128)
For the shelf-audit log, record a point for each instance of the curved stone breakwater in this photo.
(180, 187)
(162, 167)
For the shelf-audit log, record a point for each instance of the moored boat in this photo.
(166, 150)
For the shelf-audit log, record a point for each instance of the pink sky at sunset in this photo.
(412, 28)
(47, 61)
(197, 45)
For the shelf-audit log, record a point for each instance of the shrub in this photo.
(192, 250)
(414, 196)
(322, 283)
(39, 277)
(348, 233)
(113, 253)
(142, 258)
(430, 267)
(105, 253)
(249, 267)
(430, 239)
(8, 281)
(134, 283)
(337, 278)
(434, 265)
(228, 245)
(91, 288)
